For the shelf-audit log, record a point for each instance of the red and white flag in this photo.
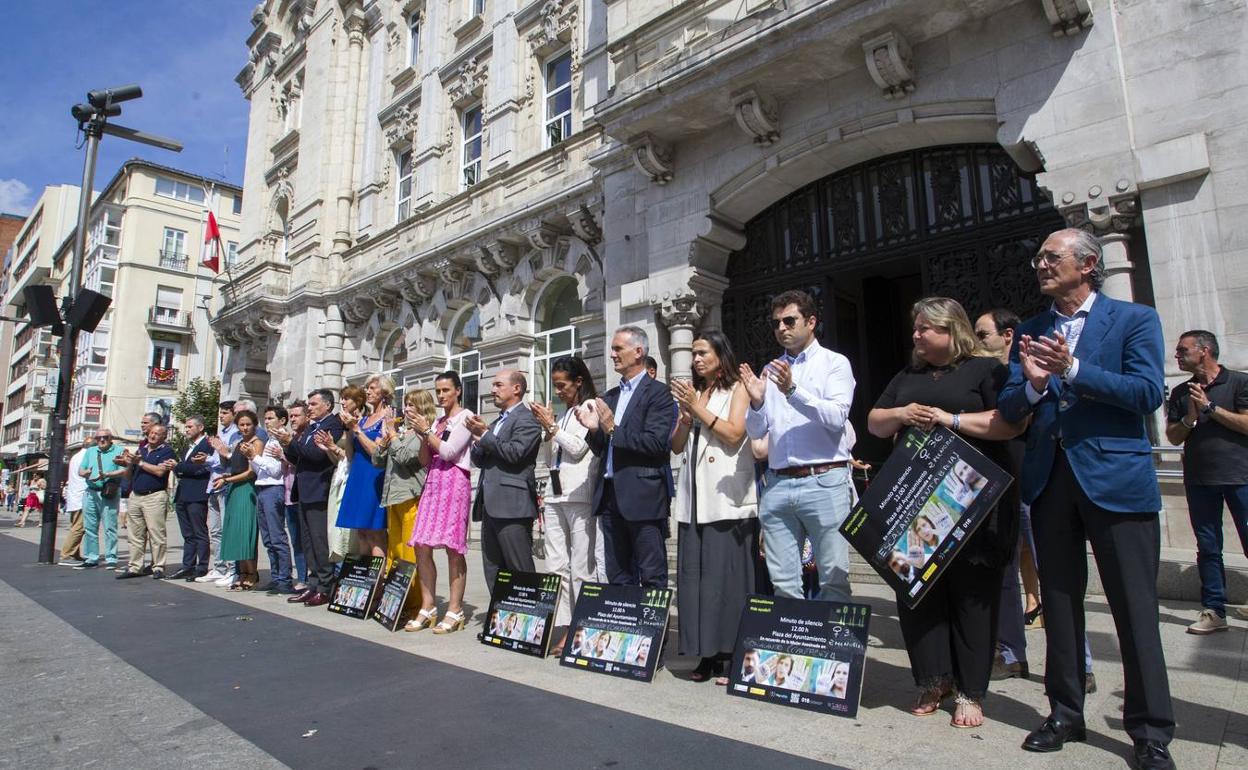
(212, 245)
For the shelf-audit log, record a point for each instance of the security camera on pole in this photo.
(81, 309)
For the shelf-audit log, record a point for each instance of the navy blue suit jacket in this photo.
(193, 477)
(642, 445)
(1100, 415)
(314, 470)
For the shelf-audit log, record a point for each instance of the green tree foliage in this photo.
(200, 398)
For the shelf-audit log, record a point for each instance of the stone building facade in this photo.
(416, 199)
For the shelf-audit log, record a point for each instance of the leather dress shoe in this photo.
(317, 600)
(302, 596)
(1053, 734)
(147, 570)
(181, 574)
(1152, 755)
(126, 575)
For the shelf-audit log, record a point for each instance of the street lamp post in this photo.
(93, 122)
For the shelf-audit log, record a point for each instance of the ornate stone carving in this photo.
(394, 36)
(889, 61)
(682, 310)
(1068, 17)
(757, 116)
(417, 288)
(1104, 216)
(469, 80)
(400, 127)
(495, 257)
(355, 26)
(542, 235)
(384, 297)
(585, 225)
(653, 158)
(554, 19)
(355, 310)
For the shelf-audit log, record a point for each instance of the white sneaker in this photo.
(228, 580)
(1241, 613)
(70, 562)
(1207, 622)
(209, 577)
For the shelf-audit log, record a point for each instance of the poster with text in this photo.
(925, 502)
(618, 630)
(394, 591)
(357, 584)
(522, 612)
(802, 653)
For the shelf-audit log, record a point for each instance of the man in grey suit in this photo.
(506, 452)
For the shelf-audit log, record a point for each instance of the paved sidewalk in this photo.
(1207, 675)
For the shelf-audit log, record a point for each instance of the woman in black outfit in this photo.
(953, 381)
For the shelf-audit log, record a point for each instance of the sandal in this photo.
(424, 619)
(929, 699)
(965, 707)
(707, 668)
(451, 622)
(1034, 618)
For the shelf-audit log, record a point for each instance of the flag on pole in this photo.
(212, 245)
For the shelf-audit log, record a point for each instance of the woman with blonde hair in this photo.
(953, 381)
(361, 508)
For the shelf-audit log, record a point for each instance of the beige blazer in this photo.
(724, 474)
(578, 465)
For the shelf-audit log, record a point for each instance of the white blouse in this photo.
(268, 470)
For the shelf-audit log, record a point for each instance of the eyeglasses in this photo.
(789, 322)
(103, 438)
(1046, 259)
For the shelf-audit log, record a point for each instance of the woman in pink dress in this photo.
(442, 517)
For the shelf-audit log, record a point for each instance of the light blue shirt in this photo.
(627, 389)
(230, 436)
(811, 427)
(1070, 327)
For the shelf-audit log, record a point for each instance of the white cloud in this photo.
(14, 197)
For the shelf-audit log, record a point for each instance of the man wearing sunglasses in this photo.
(1088, 373)
(800, 402)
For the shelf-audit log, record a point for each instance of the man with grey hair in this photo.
(148, 511)
(1208, 415)
(631, 429)
(190, 501)
(1088, 373)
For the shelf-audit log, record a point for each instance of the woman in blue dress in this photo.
(361, 508)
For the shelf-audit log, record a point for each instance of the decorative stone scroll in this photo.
(757, 116)
(889, 61)
(1068, 17)
(653, 158)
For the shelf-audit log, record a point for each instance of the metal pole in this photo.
(94, 129)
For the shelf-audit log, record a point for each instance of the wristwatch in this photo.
(1185, 425)
(792, 389)
(1208, 409)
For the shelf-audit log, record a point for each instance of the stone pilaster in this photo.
(333, 358)
(1110, 220)
(682, 315)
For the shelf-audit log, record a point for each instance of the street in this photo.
(150, 674)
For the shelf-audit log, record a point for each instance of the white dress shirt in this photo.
(75, 485)
(809, 427)
(1070, 327)
(268, 470)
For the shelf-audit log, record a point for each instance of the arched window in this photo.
(283, 222)
(393, 357)
(555, 335)
(462, 357)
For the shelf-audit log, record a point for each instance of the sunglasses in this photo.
(789, 322)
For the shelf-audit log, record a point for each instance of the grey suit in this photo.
(506, 500)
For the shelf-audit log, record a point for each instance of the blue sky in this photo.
(183, 53)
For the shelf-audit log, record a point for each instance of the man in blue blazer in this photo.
(630, 428)
(190, 501)
(1088, 372)
(314, 470)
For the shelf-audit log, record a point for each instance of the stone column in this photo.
(334, 331)
(682, 316)
(355, 25)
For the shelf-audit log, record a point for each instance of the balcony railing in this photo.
(174, 260)
(162, 378)
(168, 319)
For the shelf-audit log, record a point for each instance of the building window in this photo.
(556, 336)
(413, 39)
(472, 147)
(231, 253)
(393, 357)
(183, 191)
(168, 305)
(558, 99)
(477, 7)
(173, 249)
(403, 194)
(238, 205)
(462, 358)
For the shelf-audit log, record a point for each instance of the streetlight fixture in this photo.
(81, 309)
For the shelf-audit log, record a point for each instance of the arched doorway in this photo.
(868, 241)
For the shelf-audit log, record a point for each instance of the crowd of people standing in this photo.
(1060, 400)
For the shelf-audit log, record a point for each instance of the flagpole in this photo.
(199, 267)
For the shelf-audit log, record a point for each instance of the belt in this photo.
(802, 471)
(145, 492)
